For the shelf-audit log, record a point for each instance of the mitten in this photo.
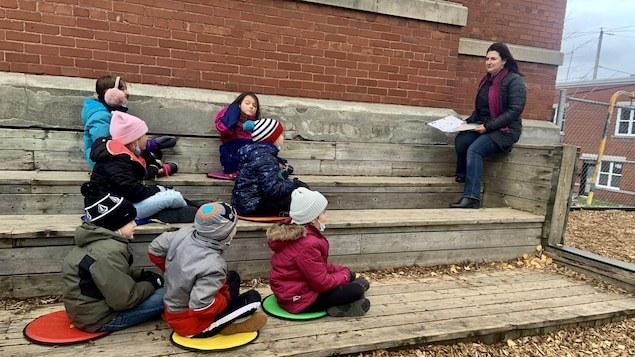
(283, 174)
(248, 126)
(165, 142)
(353, 274)
(152, 277)
(168, 169)
(152, 171)
(231, 116)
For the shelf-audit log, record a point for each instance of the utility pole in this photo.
(569, 68)
(597, 55)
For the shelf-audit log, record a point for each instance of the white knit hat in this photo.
(306, 205)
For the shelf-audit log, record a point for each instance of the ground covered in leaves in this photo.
(609, 233)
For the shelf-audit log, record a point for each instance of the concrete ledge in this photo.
(474, 47)
(56, 102)
(444, 12)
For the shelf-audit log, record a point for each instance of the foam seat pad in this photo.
(56, 329)
(271, 307)
(262, 218)
(213, 343)
(219, 175)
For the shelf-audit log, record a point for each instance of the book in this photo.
(451, 124)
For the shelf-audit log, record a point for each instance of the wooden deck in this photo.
(490, 306)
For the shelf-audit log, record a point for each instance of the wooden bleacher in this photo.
(388, 195)
(383, 212)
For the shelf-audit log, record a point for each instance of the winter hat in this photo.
(126, 128)
(215, 220)
(306, 205)
(266, 130)
(111, 212)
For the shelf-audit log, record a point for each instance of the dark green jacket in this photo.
(98, 278)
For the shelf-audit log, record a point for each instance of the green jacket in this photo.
(98, 278)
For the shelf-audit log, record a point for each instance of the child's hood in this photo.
(280, 234)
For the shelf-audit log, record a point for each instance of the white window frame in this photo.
(630, 121)
(611, 175)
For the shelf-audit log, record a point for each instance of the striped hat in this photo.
(266, 130)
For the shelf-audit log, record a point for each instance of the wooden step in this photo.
(33, 246)
(486, 306)
(58, 192)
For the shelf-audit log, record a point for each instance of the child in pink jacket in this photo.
(235, 123)
(301, 277)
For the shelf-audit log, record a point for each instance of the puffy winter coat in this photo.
(229, 125)
(96, 119)
(98, 278)
(258, 177)
(299, 266)
(513, 95)
(117, 170)
(195, 279)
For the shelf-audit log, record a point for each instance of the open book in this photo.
(451, 124)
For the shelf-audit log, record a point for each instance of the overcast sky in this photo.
(582, 25)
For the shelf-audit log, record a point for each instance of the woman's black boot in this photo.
(466, 202)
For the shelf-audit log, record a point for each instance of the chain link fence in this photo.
(583, 123)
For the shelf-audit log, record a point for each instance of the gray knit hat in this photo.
(306, 205)
(215, 220)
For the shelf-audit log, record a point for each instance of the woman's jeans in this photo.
(150, 308)
(158, 202)
(471, 147)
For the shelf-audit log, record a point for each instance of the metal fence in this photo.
(611, 136)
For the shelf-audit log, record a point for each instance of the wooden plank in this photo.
(430, 258)
(396, 152)
(25, 226)
(16, 159)
(558, 211)
(425, 241)
(479, 306)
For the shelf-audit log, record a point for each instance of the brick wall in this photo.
(282, 47)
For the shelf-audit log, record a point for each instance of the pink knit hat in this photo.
(126, 128)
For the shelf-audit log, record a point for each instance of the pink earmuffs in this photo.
(114, 96)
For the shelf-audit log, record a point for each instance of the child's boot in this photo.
(356, 308)
(253, 323)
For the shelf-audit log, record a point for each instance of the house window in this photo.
(625, 121)
(610, 175)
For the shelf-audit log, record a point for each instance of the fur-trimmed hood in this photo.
(285, 231)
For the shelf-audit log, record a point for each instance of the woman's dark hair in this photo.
(506, 55)
(106, 82)
(242, 96)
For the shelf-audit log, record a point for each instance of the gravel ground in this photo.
(608, 233)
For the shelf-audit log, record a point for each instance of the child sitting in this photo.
(112, 95)
(101, 290)
(120, 168)
(234, 123)
(260, 188)
(301, 277)
(201, 296)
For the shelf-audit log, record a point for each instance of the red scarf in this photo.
(494, 94)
